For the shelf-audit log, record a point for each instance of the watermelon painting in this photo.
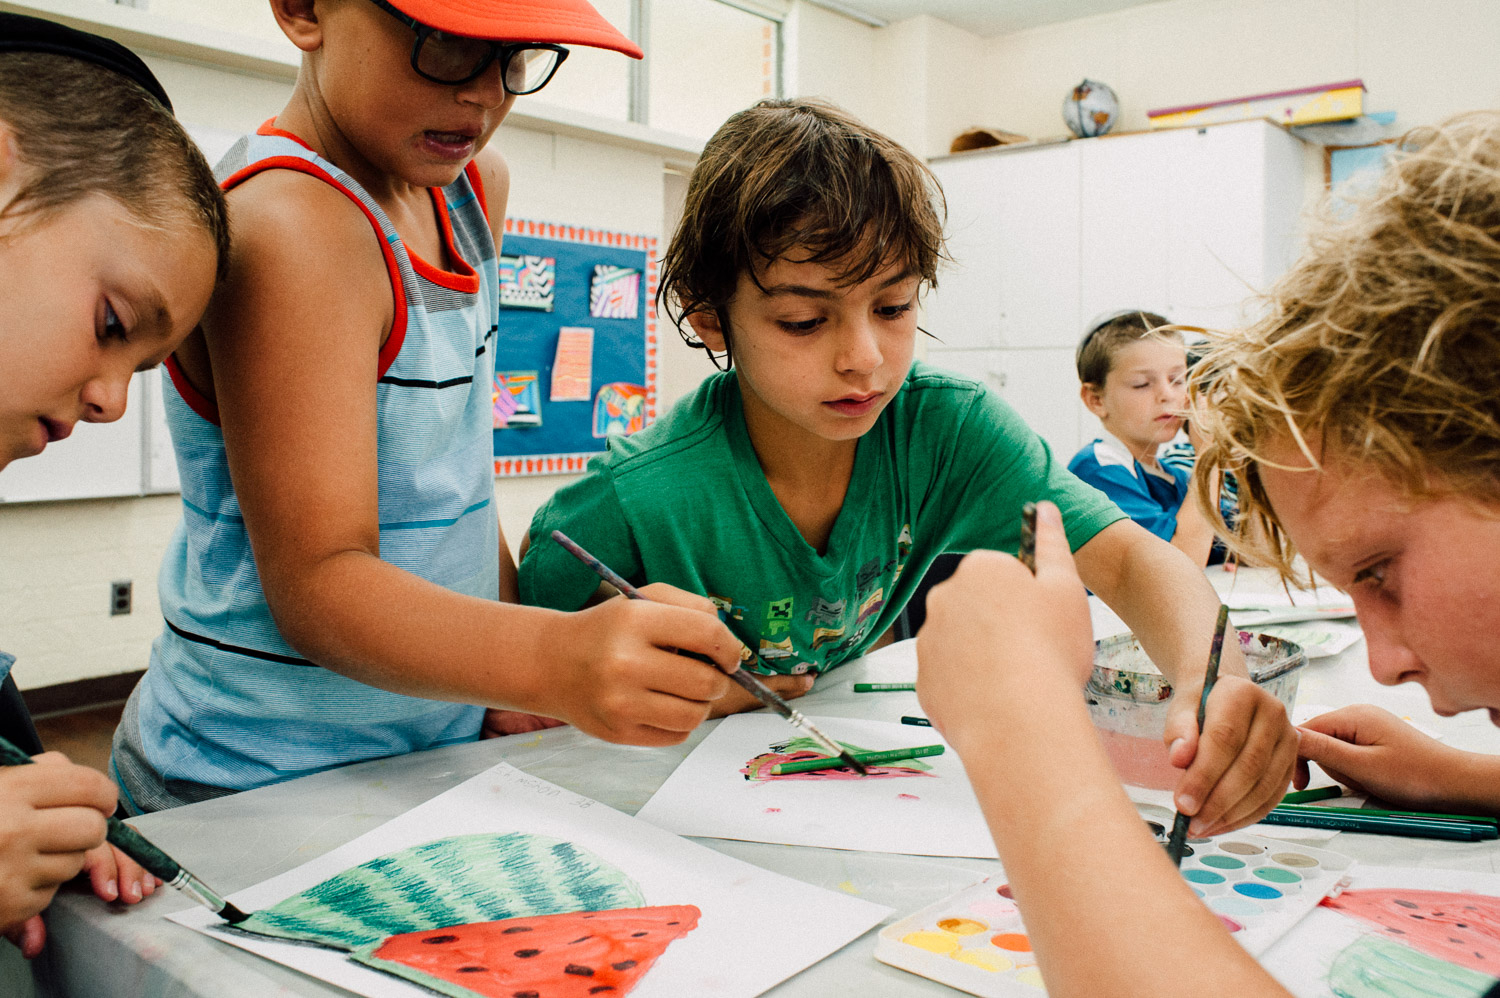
(1378, 967)
(1460, 928)
(573, 955)
(452, 881)
(797, 749)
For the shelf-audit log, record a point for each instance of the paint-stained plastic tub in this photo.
(1129, 698)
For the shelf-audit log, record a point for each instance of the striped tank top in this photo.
(226, 701)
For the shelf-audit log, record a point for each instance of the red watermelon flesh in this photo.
(572, 955)
(1456, 927)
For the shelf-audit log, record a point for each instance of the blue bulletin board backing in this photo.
(623, 354)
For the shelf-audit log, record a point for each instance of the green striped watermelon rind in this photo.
(452, 881)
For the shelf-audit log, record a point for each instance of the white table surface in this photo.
(99, 950)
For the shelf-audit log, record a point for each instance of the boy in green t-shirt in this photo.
(807, 490)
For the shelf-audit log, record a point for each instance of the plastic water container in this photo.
(1129, 698)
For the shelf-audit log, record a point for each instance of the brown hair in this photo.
(798, 175)
(1097, 349)
(1383, 341)
(81, 129)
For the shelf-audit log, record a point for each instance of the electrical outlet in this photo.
(119, 597)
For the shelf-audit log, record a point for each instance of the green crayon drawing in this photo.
(452, 881)
(1373, 967)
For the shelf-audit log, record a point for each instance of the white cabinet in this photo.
(1013, 236)
(1191, 223)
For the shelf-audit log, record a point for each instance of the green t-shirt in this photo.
(946, 468)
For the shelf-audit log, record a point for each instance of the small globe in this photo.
(1090, 109)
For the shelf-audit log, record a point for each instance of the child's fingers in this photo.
(104, 875)
(133, 879)
(665, 671)
(32, 936)
(703, 634)
(57, 783)
(68, 830)
(1233, 804)
(1053, 555)
(45, 871)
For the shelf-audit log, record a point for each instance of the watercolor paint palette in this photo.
(975, 940)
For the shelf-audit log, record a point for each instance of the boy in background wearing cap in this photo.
(335, 590)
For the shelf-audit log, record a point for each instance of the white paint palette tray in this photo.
(975, 940)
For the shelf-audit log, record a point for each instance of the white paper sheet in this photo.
(1304, 958)
(792, 924)
(932, 814)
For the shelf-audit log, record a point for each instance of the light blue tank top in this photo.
(226, 701)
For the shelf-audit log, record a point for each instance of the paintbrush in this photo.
(135, 845)
(1180, 827)
(743, 677)
(1027, 551)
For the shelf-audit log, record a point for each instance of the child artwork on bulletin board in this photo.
(589, 352)
(615, 292)
(619, 408)
(516, 400)
(573, 365)
(527, 282)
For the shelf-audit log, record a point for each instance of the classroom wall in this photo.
(1424, 59)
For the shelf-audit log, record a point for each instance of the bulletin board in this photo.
(575, 357)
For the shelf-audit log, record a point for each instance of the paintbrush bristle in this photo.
(854, 763)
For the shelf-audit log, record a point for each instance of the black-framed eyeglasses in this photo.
(525, 67)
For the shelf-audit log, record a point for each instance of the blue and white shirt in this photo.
(1149, 498)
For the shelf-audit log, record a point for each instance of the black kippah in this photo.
(19, 33)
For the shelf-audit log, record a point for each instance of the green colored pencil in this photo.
(1308, 796)
(1410, 827)
(135, 845)
(866, 758)
(1464, 819)
(885, 687)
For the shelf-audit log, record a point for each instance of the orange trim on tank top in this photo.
(477, 182)
(466, 279)
(194, 398)
(392, 345)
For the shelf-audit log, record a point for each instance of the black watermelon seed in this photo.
(526, 994)
(579, 940)
(623, 965)
(1405, 904)
(472, 970)
(637, 935)
(601, 988)
(574, 968)
(524, 953)
(435, 940)
(516, 928)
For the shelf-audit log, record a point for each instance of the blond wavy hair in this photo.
(1381, 345)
